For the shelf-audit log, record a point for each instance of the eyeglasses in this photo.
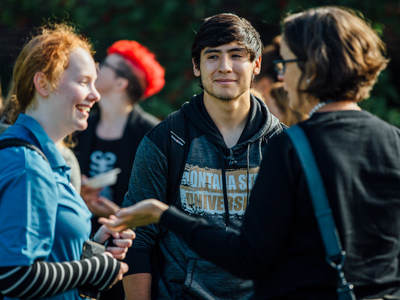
(280, 65)
(115, 69)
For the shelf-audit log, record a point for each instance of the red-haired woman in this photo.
(44, 221)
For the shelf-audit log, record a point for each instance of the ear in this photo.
(40, 82)
(121, 84)
(195, 70)
(257, 66)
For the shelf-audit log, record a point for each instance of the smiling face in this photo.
(75, 94)
(226, 71)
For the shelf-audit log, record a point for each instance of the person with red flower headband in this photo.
(128, 75)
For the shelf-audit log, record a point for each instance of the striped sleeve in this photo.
(43, 279)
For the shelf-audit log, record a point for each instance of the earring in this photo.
(308, 80)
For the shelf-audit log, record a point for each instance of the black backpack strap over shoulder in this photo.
(178, 150)
(15, 142)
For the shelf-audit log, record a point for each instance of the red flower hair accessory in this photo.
(142, 58)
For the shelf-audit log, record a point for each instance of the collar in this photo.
(33, 132)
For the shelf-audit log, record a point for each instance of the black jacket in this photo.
(279, 245)
(138, 124)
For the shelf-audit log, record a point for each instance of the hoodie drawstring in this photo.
(232, 161)
(226, 205)
(248, 173)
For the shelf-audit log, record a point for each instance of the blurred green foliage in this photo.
(168, 27)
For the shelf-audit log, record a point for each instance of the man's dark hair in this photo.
(223, 29)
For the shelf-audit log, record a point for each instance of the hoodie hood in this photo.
(260, 122)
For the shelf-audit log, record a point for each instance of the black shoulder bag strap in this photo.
(179, 144)
(334, 254)
(177, 151)
(15, 142)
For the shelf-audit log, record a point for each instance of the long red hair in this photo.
(47, 52)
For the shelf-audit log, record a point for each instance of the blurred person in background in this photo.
(279, 106)
(267, 82)
(263, 82)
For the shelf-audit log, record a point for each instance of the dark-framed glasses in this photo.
(280, 65)
(115, 69)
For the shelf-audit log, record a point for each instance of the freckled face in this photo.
(75, 93)
(226, 71)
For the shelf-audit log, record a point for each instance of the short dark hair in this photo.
(223, 29)
(342, 54)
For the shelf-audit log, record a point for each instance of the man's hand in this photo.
(98, 205)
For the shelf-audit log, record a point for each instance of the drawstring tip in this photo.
(226, 228)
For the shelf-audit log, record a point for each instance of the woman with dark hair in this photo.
(44, 222)
(331, 59)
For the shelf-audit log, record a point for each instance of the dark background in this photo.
(167, 28)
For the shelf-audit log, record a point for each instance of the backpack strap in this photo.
(16, 142)
(177, 152)
(323, 213)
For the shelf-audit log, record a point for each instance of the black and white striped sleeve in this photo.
(43, 279)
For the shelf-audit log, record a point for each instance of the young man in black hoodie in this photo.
(223, 132)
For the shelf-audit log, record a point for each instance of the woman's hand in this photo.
(143, 213)
(98, 205)
(121, 240)
(122, 270)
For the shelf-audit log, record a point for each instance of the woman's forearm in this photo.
(43, 279)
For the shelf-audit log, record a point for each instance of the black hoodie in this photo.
(215, 178)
